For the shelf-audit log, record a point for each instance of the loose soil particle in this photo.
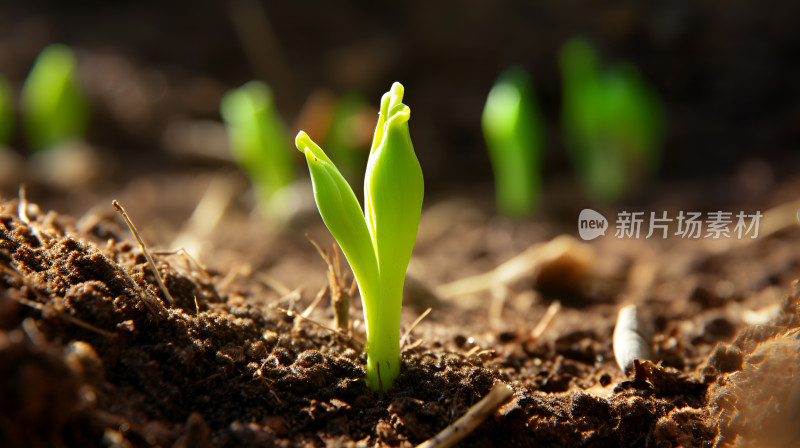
(85, 362)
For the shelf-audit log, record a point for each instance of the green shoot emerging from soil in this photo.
(259, 143)
(612, 122)
(513, 131)
(6, 112)
(378, 241)
(55, 110)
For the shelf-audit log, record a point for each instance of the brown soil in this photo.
(92, 355)
(89, 353)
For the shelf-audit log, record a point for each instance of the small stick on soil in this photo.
(181, 252)
(313, 305)
(773, 220)
(33, 332)
(451, 435)
(413, 325)
(273, 284)
(340, 300)
(544, 322)
(412, 346)
(207, 214)
(22, 211)
(146, 252)
(307, 312)
(355, 343)
(150, 302)
(499, 295)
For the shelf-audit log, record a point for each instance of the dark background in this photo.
(727, 71)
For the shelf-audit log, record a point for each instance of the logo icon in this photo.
(591, 224)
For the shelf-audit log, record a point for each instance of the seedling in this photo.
(377, 241)
(259, 143)
(54, 108)
(512, 127)
(612, 122)
(6, 112)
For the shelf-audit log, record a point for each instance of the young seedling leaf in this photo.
(54, 108)
(378, 241)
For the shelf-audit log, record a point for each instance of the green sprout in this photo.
(512, 127)
(54, 108)
(377, 241)
(612, 122)
(259, 143)
(6, 112)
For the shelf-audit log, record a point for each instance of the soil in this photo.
(90, 353)
(94, 353)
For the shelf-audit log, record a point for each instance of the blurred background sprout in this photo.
(259, 143)
(613, 122)
(350, 134)
(54, 108)
(6, 112)
(512, 128)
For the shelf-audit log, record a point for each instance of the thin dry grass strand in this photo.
(340, 301)
(321, 252)
(545, 322)
(143, 247)
(414, 324)
(273, 284)
(190, 261)
(22, 211)
(499, 295)
(292, 297)
(355, 343)
(314, 303)
(473, 350)
(153, 305)
(412, 345)
(451, 435)
(32, 330)
(206, 215)
(312, 306)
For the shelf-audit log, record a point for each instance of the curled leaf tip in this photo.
(397, 89)
(301, 141)
(396, 94)
(305, 144)
(399, 116)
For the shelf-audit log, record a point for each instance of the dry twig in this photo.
(451, 435)
(340, 299)
(150, 261)
(413, 325)
(355, 343)
(544, 322)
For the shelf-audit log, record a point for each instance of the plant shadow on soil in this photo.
(89, 356)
